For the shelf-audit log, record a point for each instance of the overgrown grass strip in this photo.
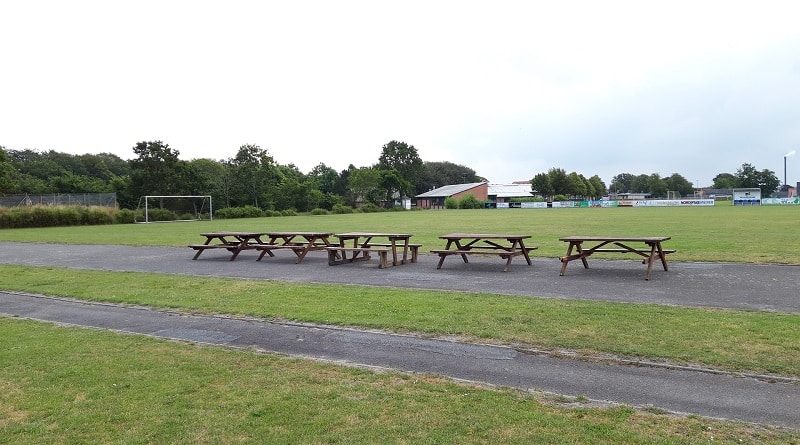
(70, 385)
(758, 342)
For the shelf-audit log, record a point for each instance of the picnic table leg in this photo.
(508, 262)
(583, 257)
(394, 251)
(443, 255)
(458, 247)
(663, 256)
(525, 252)
(565, 260)
(650, 260)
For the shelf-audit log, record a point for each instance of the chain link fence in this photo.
(60, 199)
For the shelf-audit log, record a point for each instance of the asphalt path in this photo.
(703, 392)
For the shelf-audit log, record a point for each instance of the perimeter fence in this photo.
(60, 199)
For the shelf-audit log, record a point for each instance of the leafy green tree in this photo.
(725, 181)
(324, 178)
(747, 176)
(393, 185)
(365, 185)
(577, 186)
(598, 187)
(541, 184)
(253, 173)
(438, 174)
(404, 159)
(622, 183)
(640, 184)
(156, 170)
(559, 181)
(768, 182)
(678, 183)
(5, 172)
(656, 186)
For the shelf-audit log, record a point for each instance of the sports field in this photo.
(69, 385)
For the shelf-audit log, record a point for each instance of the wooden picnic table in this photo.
(298, 242)
(484, 244)
(651, 251)
(233, 242)
(363, 245)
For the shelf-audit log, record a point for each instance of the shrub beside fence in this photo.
(55, 216)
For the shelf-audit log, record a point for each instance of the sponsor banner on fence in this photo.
(780, 201)
(622, 203)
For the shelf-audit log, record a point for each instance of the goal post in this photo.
(182, 207)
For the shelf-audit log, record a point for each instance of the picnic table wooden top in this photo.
(307, 234)
(483, 236)
(244, 234)
(373, 235)
(644, 239)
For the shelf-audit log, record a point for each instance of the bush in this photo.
(94, 216)
(470, 202)
(288, 212)
(55, 216)
(125, 216)
(239, 212)
(319, 211)
(369, 208)
(450, 203)
(340, 209)
(161, 215)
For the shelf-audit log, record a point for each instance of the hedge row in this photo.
(53, 216)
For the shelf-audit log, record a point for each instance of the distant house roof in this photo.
(515, 190)
(449, 190)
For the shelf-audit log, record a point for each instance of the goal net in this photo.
(171, 208)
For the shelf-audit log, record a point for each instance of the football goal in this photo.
(172, 208)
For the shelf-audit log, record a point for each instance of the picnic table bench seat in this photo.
(201, 247)
(414, 248)
(268, 248)
(335, 256)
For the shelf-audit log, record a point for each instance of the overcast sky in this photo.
(508, 88)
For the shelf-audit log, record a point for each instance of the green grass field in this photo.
(68, 385)
(767, 234)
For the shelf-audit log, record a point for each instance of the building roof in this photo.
(510, 190)
(449, 190)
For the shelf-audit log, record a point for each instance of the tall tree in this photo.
(5, 172)
(622, 183)
(678, 183)
(156, 170)
(656, 186)
(541, 184)
(365, 185)
(559, 181)
(404, 159)
(724, 181)
(438, 174)
(747, 176)
(254, 172)
(598, 187)
(768, 182)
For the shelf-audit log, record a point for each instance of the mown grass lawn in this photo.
(766, 234)
(65, 385)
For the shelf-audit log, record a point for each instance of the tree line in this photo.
(253, 178)
(249, 178)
